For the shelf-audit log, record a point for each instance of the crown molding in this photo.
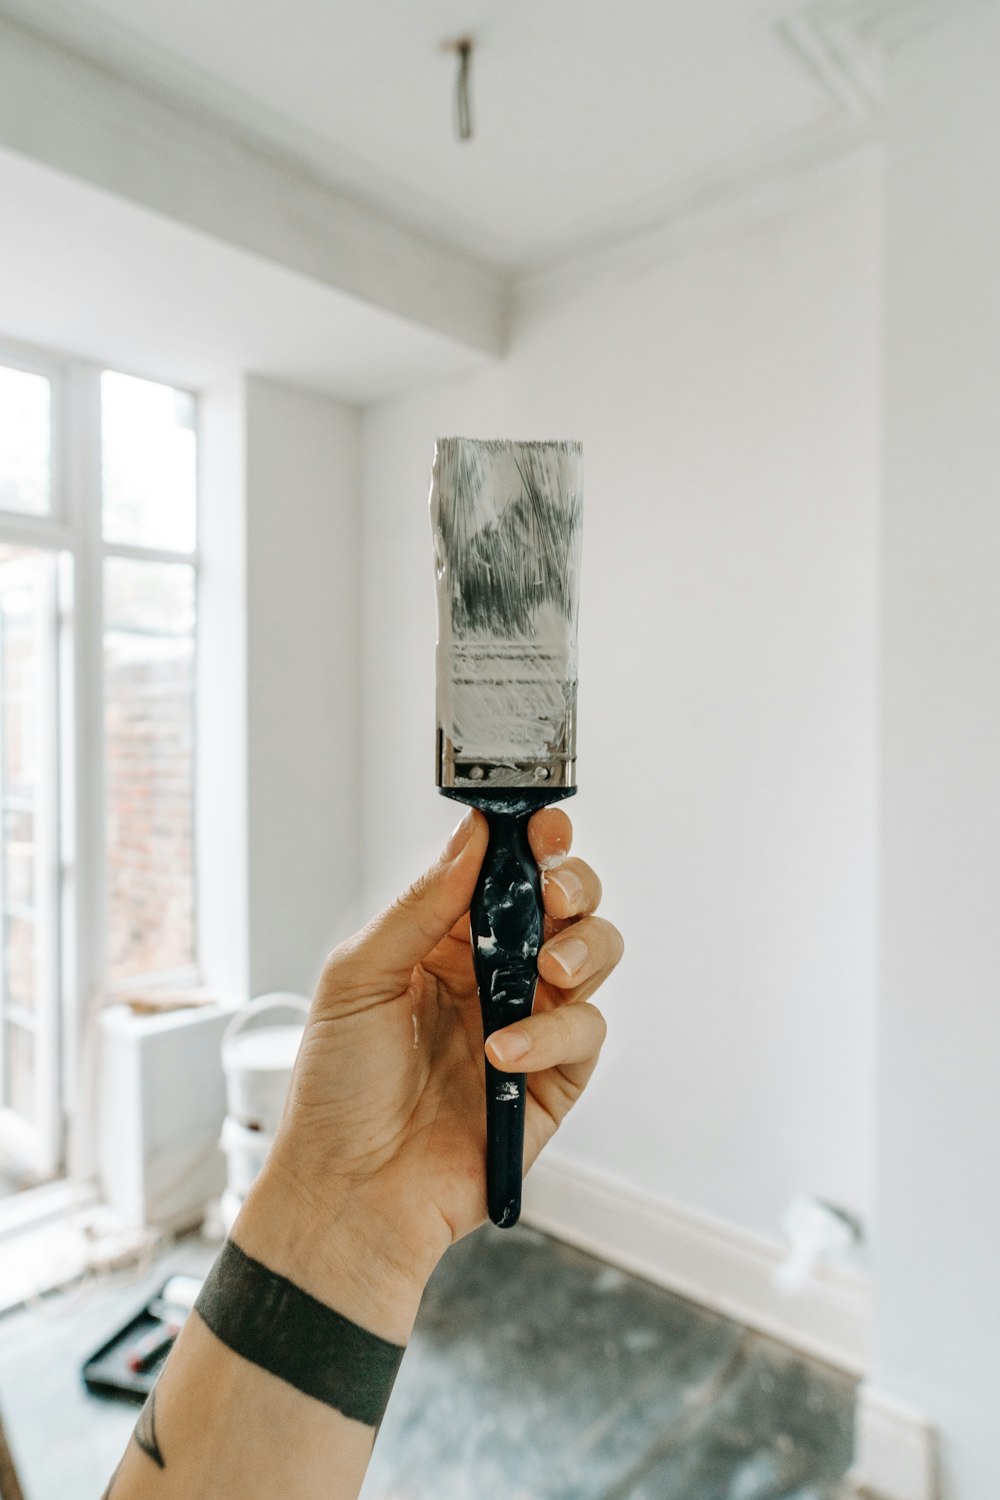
(713, 212)
(869, 29)
(842, 46)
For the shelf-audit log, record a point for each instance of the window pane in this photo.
(19, 953)
(149, 463)
(18, 873)
(23, 632)
(149, 709)
(19, 1070)
(27, 855)
(25, 441)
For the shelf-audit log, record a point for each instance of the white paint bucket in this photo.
(258, 1053)
(229, 1207)
(246, 1151)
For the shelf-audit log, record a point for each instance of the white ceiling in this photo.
(592, 118)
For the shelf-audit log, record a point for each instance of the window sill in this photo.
(69, 1239)
(21, 1212)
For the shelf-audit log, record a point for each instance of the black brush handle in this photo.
(508, 929)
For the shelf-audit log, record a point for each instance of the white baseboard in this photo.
(702, 1258)
(895, 1457)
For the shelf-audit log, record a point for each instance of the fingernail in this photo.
(509, 1046)
(570, 954)
(459, 837)
(571, 885)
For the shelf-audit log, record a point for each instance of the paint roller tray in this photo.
(107, 1372)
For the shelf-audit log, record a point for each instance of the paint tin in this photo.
(246, 1151)
(229, 1207)
(259, 1047)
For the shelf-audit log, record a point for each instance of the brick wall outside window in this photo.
(148, 719)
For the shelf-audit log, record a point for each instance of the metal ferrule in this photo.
(455, 769)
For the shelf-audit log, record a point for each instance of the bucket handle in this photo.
(263, 1005)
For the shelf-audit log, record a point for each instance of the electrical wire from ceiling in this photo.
(462, 47)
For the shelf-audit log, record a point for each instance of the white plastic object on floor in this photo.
(818, 1233)
(258, 1053)
(229, 1206)
(246, 1151)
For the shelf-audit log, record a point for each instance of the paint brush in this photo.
(506, 519)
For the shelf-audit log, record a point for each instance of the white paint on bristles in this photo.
(506, 519)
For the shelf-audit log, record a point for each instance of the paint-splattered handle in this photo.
(507, 931)
(508, 928)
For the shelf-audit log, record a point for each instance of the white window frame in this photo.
(73, 529)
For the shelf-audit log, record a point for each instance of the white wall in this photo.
(302, 543)
(278, 684)
(728, 406)
(937, 1287)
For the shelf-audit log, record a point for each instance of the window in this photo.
(28, 865)
(148, 471)
(25, 441)
(98, 609)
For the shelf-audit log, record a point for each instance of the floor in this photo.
(535, 1373)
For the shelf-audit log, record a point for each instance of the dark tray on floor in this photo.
(106, 1372)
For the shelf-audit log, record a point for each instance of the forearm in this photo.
(221, 1424)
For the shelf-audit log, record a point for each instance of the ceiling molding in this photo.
(735, 206)
(841, 45)
(83, 117)
(847, 40)
(879, 26)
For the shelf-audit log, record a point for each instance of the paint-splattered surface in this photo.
(535, 1373)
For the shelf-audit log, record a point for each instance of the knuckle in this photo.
(337, 963)
(599, 1025)
(588, 877)
(551, 826)
(564, 1028)
(412, 904)
(412, 899)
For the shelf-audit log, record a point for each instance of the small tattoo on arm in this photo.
(145, 1432)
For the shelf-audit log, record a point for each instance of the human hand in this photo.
(387, 1103)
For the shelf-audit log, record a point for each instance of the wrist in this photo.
(340, 1250)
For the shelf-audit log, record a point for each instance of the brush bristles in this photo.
(507, 531)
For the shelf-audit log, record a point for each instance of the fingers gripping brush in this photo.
(506, 519)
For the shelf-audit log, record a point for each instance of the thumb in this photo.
(413, 925)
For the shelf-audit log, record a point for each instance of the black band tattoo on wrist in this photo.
(275, 1324)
